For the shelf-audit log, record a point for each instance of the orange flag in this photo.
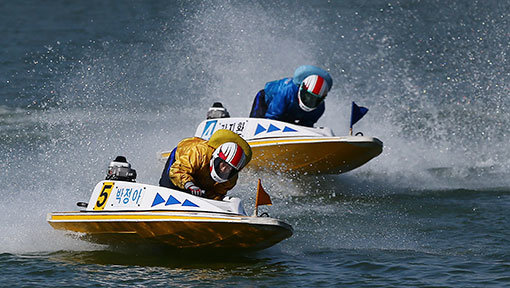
(262, 197)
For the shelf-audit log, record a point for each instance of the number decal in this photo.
(103, 196)
(209, 129)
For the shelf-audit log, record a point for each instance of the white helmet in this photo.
(312, 92)
(226, 161)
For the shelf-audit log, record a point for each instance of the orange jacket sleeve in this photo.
(221, 189)
(190, 158)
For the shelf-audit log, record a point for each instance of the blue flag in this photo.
(357, 113)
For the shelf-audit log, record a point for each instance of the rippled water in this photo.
(82, 82)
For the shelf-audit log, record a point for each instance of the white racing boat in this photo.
(287, 147)
(123, 212)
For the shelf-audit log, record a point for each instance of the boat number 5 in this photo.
(103, 196)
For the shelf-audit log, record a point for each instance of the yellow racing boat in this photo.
(123, 212)
(287, 147)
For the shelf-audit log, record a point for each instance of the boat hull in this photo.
(326, 155)
(286, 147)
(173, 229)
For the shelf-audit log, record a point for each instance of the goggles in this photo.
(309, 99)
(224, 170)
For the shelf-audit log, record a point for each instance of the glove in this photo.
(194, 190)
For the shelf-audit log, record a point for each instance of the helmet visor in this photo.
(224, 170)
(310, 100)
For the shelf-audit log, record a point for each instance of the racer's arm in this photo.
(281, 94)
(185, 166)
(221, 189)
(276, 109)
(312, 117)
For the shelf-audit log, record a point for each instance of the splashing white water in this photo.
(137, 98)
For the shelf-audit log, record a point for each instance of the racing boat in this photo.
(123, 212)
(287, 147)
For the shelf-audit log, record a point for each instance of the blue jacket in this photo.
(282, 101)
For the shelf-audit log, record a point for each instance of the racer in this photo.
(298, 100)
(206, 168)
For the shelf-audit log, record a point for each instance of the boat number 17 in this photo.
(103, 196)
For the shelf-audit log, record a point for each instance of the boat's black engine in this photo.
(217, 111)
(120, 169)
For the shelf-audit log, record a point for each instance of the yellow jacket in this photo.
(192, 158)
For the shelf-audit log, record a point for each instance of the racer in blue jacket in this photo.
(298, 100)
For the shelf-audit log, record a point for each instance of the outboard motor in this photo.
(217, 111)
(120, 169)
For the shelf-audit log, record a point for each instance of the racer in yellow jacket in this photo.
(206, 168)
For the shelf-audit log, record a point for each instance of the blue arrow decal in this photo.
(288, 129)
(157, 200)
(171, 201)
(272, 128)
(259, 129)
(189, 203)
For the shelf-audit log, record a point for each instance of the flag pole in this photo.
(262, 198)
(352, 115)
(357, 112)
(256, 210)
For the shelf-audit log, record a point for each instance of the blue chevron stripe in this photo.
(259, 129)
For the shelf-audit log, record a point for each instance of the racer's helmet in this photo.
(226, 161)
(312, 92)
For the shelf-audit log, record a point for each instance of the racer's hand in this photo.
(194, 190)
